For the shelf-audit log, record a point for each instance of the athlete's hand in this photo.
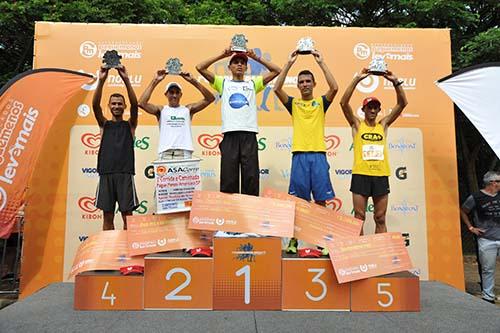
(293, 57)
(187, 76)
(122, 71)
(103, 73)
(364, 73)
(391, 77)
(317, 56)
(160, 74)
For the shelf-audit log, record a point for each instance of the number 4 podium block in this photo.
(108, 290)
(391, 292)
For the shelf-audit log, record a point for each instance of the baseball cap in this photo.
(491, 176)
(309, 253)
(371, 99)
(239, 55)
(201, 252)
(131, 270)
(173, 85)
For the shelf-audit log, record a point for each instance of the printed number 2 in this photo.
(111, 297)
(246, 271)
(384, 292)
(172, 296)
(316, 279)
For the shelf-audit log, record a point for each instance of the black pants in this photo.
(239, 149)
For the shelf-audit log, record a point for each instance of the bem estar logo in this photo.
(210, 144)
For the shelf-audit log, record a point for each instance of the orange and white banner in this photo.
(242, 213)
(316, 224)
(165, 232)
(106, 250)
(29, 103)
(362, 257)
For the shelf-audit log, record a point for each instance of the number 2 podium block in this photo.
(247, 273)
(108, 290)
(175, 280)
(391, 292)
(311, 284)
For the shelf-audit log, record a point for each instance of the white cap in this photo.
(173, 84)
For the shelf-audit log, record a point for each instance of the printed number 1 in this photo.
(246, 271)
(111, 297)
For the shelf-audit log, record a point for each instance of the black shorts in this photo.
(370, 186)
(116, 187)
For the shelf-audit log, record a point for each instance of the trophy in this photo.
(173, 66)
(377, 66)
(111, 59)
(305, 45)
(239, 43)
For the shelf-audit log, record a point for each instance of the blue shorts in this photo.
(310, 173)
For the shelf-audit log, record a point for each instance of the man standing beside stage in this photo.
(116, 161)
(239, 119)
(485, 205)
(175, 119)
(310, 168)
(370, 173)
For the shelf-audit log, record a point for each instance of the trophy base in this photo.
(304, 52)
(377, 72)
(238, 50)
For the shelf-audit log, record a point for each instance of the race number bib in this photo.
(373, 152)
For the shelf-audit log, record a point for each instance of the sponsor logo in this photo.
(92, 142)
(210, 144)
(90, 172)
(237, 101)
(143, 207)
(372, 137)
(405, 208)
(284, 144)
(361, 51)
(208, 173)
(264, 173)
(370, 208)
(149, 172)
(82, 238)
(3, 198)
(402, 145)
(401, 173)
(261, 144)
(409, 83)
(334, 204)
(127, 49)
(343, 173)
(219, 221)
(212, 221)
(285, 173)
(388, 51)
(406, 236)
(83, 110)
(332, 142)
(246, 252)
(395, 260)
(368, 84)
(87, 206)
(142, 143)
(363, 268)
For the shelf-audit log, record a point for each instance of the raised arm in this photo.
(273, 69)
(134, 107)
(208, 97)
(333, 87)
(202, 67)
(346, 98)
(278, 86)
(146, 95)
(96, 100)
(401, 101)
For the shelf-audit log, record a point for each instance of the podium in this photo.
(244, 274)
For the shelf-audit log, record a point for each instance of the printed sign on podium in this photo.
(310, 284)
(175, 280)
(108, 290)
(247, 273)
(391, 292)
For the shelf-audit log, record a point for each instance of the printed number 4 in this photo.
(386, 293)
(111, 297)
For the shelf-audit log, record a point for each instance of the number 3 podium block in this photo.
(108, 290)
(391, 292)
(247, 273)
(310, 284)
(175, 280)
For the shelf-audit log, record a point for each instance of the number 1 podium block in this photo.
(311, 284)
(391, 292)
(247, 273)
(175, 280)
(108, 290)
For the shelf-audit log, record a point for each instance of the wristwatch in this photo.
(400, 82)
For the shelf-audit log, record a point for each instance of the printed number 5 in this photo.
(384, 292)
(316, 279)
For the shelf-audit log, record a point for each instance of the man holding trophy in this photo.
(239, 116)
(370, 173)
(310, 168)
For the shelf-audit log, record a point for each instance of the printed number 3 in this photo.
(316, 279)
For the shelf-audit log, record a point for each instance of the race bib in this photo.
(373, 152)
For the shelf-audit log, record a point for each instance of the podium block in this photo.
(391, 292)
(311, 284)
(108, 290)
(247, 273)
(175, 280)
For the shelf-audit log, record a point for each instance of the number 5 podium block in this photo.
(247, 273)
(311, 284)
(175, 280)
(108, 290)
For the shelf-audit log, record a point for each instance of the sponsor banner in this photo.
(316, 224)
(106, 250)
(175, 183)
(29, 104)
(166, 232)
(362, 257)
(242, 213)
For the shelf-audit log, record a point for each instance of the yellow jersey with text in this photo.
(370, 151)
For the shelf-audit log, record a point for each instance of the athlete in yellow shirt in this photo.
(370, 173)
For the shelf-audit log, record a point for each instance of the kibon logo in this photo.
(334, 204)
(210, 144)
(92, 142)
(88, 49)
(87, 204)
(332, 142)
